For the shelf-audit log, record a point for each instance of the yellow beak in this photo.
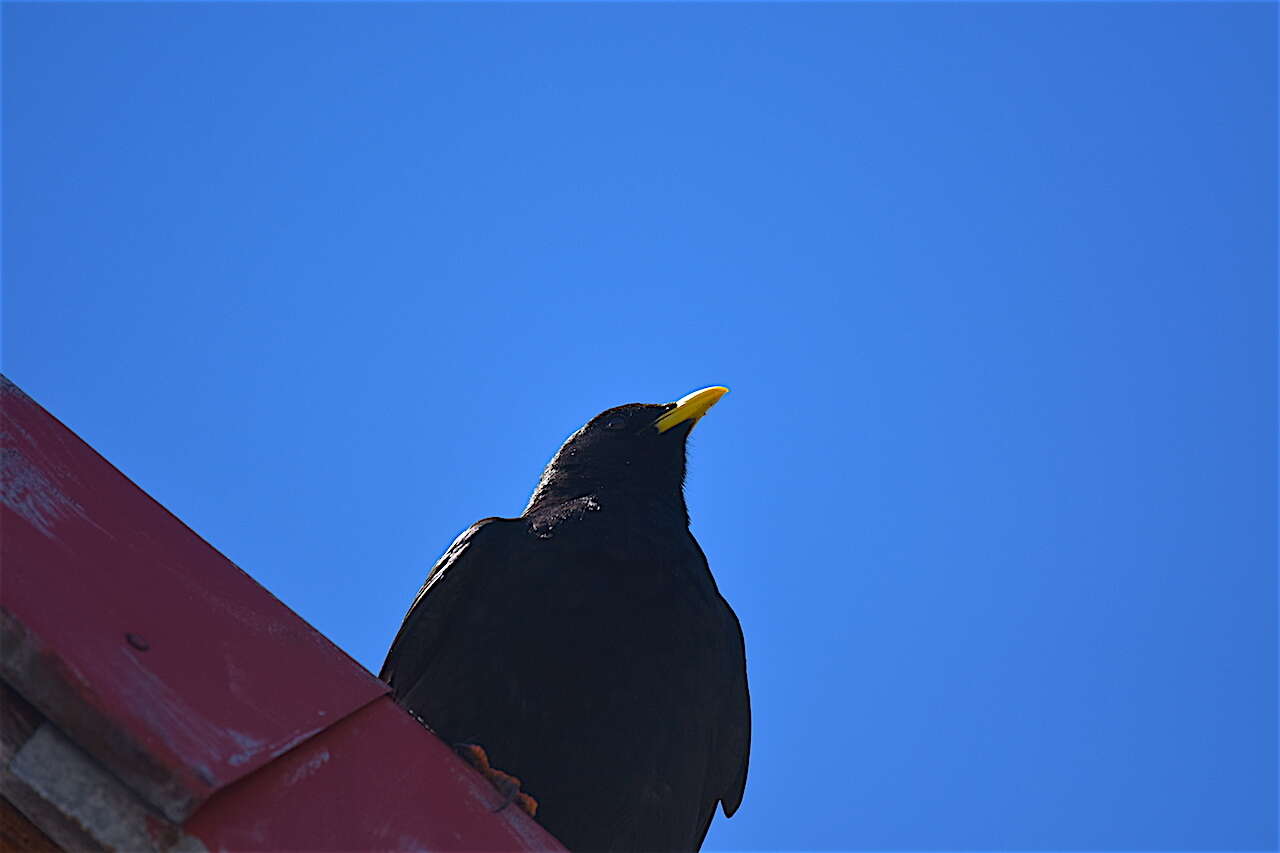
(690, 407)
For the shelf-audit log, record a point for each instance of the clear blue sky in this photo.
(993, 286)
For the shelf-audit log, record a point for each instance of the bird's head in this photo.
(637, 450)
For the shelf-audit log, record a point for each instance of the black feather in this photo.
(586, 647)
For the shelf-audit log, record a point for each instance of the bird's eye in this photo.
(615, 423)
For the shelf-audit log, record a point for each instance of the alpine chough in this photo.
(585, 646)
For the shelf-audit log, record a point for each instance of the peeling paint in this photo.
(249, 747)
(310, 766)
(254, 748)
(295, 740)
(26, 490)
(179, 725)
(230, 679)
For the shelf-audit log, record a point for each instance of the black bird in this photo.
(586, 647)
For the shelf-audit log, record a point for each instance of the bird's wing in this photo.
(731, 746)
(434, 605)
(734, 747)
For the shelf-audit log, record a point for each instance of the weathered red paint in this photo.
(147, 647)
(387, 784)
(204, 694)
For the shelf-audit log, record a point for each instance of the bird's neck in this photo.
(618, 498)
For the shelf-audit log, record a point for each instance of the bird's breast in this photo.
(612, 602)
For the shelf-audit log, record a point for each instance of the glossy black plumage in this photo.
(585, 646)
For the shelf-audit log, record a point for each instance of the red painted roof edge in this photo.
(122, 724)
